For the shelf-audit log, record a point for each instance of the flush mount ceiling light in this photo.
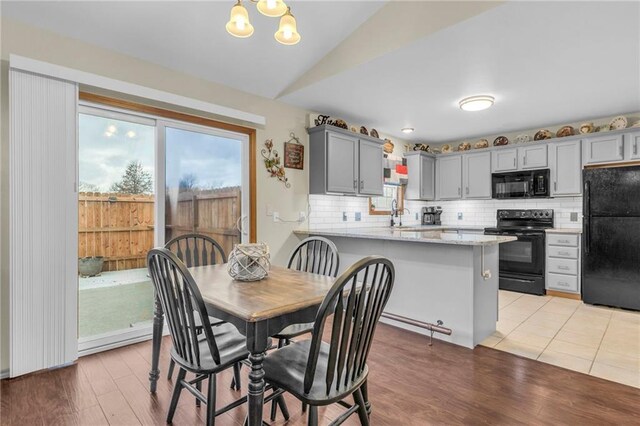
(407, 130)
(476, 103)
(239, 25)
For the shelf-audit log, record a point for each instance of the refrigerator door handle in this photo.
(587, 216)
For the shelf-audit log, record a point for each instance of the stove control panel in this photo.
(525, 214)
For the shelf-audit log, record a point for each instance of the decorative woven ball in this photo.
(249, 262)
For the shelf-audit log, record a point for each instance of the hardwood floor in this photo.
(410, 384)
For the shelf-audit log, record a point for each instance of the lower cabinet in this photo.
(563, 262)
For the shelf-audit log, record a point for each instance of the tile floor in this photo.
(599, 341)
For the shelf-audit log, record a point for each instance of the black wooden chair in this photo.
(204, 354)
(200, 250)
(320, 373)
(317, 255)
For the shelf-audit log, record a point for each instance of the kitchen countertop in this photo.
(564, 231)
(418, 234)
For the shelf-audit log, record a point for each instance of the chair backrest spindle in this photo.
(355, 302)
(197, 250)
(317, 255)
(181, 301)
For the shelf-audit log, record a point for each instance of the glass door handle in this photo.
(239, 225)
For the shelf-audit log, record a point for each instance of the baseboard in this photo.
(555, 293)
(4, 374)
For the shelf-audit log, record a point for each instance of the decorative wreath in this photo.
(272, 163)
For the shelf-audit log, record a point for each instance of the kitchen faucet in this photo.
(397, 213)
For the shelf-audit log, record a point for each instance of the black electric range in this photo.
(522, 262)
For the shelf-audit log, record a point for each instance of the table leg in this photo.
(158, 323)
(257, 340)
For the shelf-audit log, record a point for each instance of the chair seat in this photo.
(231, 346)
(295, 330)
(285, 368)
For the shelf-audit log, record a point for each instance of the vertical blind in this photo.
(43, 222)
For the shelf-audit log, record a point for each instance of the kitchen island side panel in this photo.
(435, 282)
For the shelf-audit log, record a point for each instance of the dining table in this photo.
(258, 309)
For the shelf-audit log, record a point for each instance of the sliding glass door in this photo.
(206, 177)
(144, 180)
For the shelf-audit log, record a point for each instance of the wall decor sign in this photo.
(293, 153)
(272, 163)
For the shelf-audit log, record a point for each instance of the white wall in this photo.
(326, 211)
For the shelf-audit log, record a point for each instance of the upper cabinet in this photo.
(476, 175)
(370, 168)
(533, 157)
(566, 168)
(342, 156)
(449, 177)
(521, 158)
(422, 176)
(344, 163)
(603, 149)
(504, 160)
(632, 140)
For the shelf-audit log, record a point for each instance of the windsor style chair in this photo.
(320, 373)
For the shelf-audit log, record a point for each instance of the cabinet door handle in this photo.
(565, 268)
(635, 148)
(524, 159)
(563, 241)
(361, 185)
(622, 149)
(459, 191)
(563, 253)
(563, 283)
(514, 161)
(355, 184)
(467, 191)
(555, 185)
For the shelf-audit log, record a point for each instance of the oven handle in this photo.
(520, 280)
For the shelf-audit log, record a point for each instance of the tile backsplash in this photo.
(326, 211)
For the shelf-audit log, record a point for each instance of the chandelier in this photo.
(239, 25)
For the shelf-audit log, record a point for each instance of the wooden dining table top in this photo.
(283, 291)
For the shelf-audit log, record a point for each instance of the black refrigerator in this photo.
(611, 237)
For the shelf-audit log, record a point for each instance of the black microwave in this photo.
(524, 184)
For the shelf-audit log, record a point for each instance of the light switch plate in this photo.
(344, 216)
(460, 216)
(358, 216)
(574, 216)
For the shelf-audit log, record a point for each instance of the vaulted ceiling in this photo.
(389, 64)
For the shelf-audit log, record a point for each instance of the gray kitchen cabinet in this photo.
(421, 168)
(603, 149)
(563, 263)
(566, 168)
(632, 142)
(342, 162)
(533, 157)
(504, 160)
(476, 175)
(370, 168)
(449, 177)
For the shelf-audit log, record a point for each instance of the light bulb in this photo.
(272, 8)
(287, 33)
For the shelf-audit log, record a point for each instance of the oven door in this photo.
(525, 256)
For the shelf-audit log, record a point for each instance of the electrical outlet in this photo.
(276, 216)
(574, 216)
(358, 216)
(344, 216)
(460, 216)
(417, 216)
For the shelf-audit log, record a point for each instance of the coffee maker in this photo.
(431, 215)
